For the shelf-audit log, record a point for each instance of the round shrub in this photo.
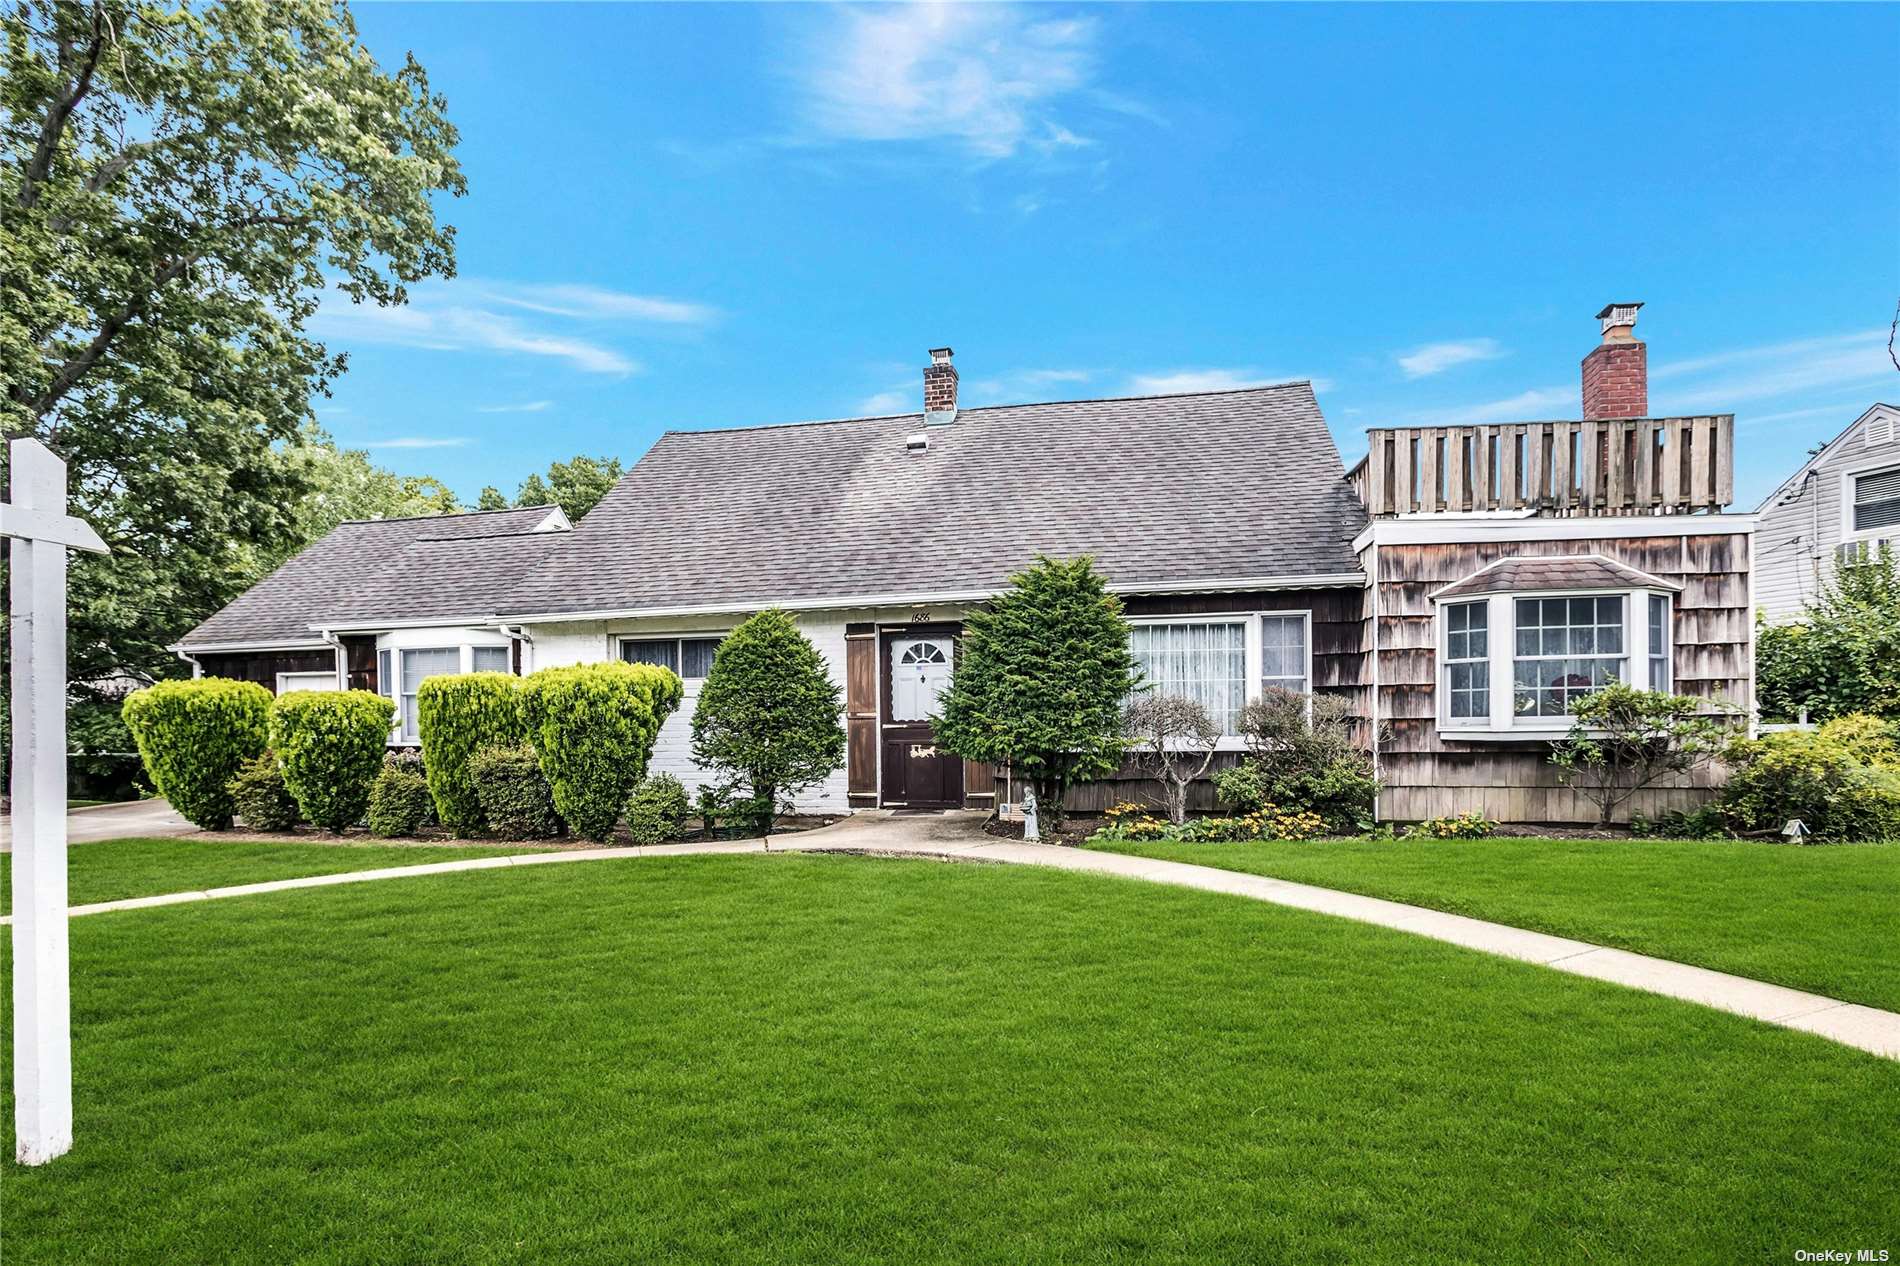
(194, 736)
(457, 716)
(1842, 781)
(331, 743)
(514, 795)
(399, 801)
(657, 812)
(261, 799)
(592, 727)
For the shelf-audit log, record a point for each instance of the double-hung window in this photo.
(1223, 661)
(417, 667)
(1659, 645)
(690, 657)
(1468, 661)
(1876, 500)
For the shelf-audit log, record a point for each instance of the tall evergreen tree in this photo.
(769, 715)
(1040, 678)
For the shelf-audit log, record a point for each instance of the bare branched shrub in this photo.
(1174, 738)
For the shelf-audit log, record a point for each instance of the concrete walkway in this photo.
(958, 837)
(134, 819)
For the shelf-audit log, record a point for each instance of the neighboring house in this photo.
(1843, 502)
(1459, 586)
(380, 604)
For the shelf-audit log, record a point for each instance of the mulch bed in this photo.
(436, 837)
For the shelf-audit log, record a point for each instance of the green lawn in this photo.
(1823, 918)
(112, 869)
(812, 1059)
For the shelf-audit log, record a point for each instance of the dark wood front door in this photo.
(915, 663)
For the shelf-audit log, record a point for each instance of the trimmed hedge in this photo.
(592, 727)
(657, 812)
(194, 736)
(331, 743)
(1842, 781)
(261, 799)
(514, 794)
(457, 716)
(399, 801)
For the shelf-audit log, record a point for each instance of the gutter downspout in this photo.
(519, 633)
(1372, 712)
(197, 669)
(342, 664)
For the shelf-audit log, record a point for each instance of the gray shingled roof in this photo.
(1214, 486)
(1584, 571)
(347, 562)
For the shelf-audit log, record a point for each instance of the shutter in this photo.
(860, 710)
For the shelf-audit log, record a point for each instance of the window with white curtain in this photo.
(1566, 648)
(418, 666)
(1202, 660)
(1283, 652)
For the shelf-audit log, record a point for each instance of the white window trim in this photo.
(1501, 642)
(395, 694)
(1850, 480)
(1255, 686)
(620, 641)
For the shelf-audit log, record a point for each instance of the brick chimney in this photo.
(940, 388)
(1616, 372)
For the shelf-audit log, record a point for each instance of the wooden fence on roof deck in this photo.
(1623, 466)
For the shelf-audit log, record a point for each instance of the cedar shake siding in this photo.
(262, 667)
(1429, 771)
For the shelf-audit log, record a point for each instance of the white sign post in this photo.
(40, 533)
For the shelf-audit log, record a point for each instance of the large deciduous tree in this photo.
(180, 186)
(1040, 678)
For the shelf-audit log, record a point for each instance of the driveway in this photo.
(111, 822)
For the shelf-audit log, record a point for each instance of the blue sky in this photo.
(708, 216)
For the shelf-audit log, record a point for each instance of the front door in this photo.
(916, 775)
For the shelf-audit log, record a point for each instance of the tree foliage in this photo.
(769, 714)
(1176, 738)
(458, 715)
(343, 483)
(179, 186)
(592, 727)
(576, 486)
(331, 744)
(1623, 740)
(1039, 681)
(1844, 656)
(194, 737)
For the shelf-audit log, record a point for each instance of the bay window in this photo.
(417, 667)
(1550, 649)
(401, 670)
(1222, 661)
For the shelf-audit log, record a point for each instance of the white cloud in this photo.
(1183, 381)
(1436, 358)
(418, 441)
(531, 406)
(1798, 367)
(1539, 403)
(984, 75)
(597, 303)
(893, 401)
(1023, 384)
(503, 316)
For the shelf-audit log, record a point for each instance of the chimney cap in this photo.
(940, 355)
(1618, 314)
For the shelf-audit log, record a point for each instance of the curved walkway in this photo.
(958, 837)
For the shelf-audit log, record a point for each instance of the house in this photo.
(379, 604)
(1842, 503)
(1459, 586)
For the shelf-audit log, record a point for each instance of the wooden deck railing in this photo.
(1626, 466)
